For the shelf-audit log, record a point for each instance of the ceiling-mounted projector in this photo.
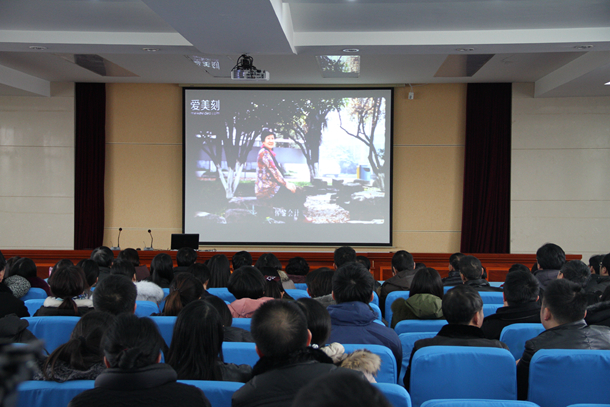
(244, 70)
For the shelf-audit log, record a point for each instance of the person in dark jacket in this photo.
(463, 309)
(287, 363)
(26, 268)
(520, 304)
(67, 284)
(454, 277)
(599, 313)
(14, 330)
(185, 258)
(562, 314)
(471, 271)
(596, 286)
(549, 259)
(403, 271)
(104, 257)
(134, 377)
(9, 304)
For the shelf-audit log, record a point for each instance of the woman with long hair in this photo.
(161, 270)
(425, 298)
(196, 349)
(184, 289)
(249, 287)
(67, 285)
(220, 271)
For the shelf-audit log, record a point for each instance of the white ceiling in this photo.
(400, 42)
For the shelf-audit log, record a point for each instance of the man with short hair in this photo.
(352, 319)
(562, 313)
(471, 272)
(115, 294)
(576, 271)
(186, 257)
(549, 258)
(520, 304)
(344, 254)
(132, 255)
(597, 285)
(463, 309)
(286, 364)
(403, 271)
(241, 258)
(104, 257)
(297, 269)
(320, 285)
(147, 290)
(454, 277)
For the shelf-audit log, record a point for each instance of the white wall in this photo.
(37, 170)
(560, 179)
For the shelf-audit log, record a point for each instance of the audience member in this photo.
(297, 269)
(425, 299)
(183, 290)
(521, 305)
(26, 268)
(134, 377)
(92, 271)
(17, 285)
(132, 255)
(318, 320)
(595, 262)
(185, 257)
(563, 310)
(104, 257)
(353, 320)
(12, 328)
(248, 285)
(599, 313)
(80, 358)
(241, 258)
(518, 267)
(67, 287)
(115, 295)
(403, 271)
(463, 309)
(62, 264)
(597, 286)
(454, 277)
(9, 304)
(576, 271)
(471, 271)
(196, 348)
(270, 260)
(231, 333)
(161, 270)
(202, 273)
(220, 271)
(343, 255)
(287, 363)
(320, 285)
(549, 259)
(147, 290)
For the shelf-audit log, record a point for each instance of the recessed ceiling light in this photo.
(583, 46)
(38, 47)
(150, 49)
(351, 50)
(464, 49)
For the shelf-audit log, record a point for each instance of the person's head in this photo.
(186, 256)
(343, 388)
(9, 265)
(67, 283)
(463, 305)
(268, 138)
(91, 270)
(115, 295)
(365, 261)
(130, 255)
(427, 281)
(594, 263)
(161, 268)
(563, 302)
(223, 310)
(604, 266)
(344, 254)
(353, 282)
(123, 268)
(320, 282)
(25, 268)
(318, 320)
(268, 260)
(402, 260)
(184, 289)
(132, 342)
(220, 271)
(63, 263)
(196, 345)
(103, 256)
(242, 258)
(454, 261)
(518, 267)
(470, 268)
(521, 287)
(279, 328)
(550, 257)
(576, 271)
(247, 282)
(201, 272)
(297, 266)
(273, 287)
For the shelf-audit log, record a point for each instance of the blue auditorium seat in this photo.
(240, 353)
(300, 286)
(166, 327)
(54, 330)
(420, 325)
(477, 403)
(146, 308)
(389, 369)
(40, 393)
(34, 293)
(296, 294)
(219, 393)
(162, 303)
(223, 293)
(377, 311)
(515, 336)
(407, 340)
(389, 300)
(397, 395)
(243, 323)
(34, 305)
(375, 299)
(489, 309)
(492, 297)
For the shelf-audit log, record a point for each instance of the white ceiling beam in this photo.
(92, 38)
(28, 83)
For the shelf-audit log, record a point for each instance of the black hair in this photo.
(566, 300)
(123, 267)
(184, 289)
(91, 270)
(273, 287)
(220, 271)
(365, 261)
(82, 351)
(595, 261)
(103, 256)
(318, 320)
(201, 272)
(161, 268)
(247, 282)
(25, 268)
(196, 346)
(63, 263)
(402, 260)
(2, 261)
(605, 263)
(268, 260)
(186, 256)
(297, 266)
(67, 283)
(115, 294)
(427, 281)
(242, 258)
(279, 328)
(222, 308)
(521, 287)
(344, 254)
(518, 267)
(460, 304)
(353, 282)
(471, 267)
(320, 281)
(576, 271)
(550, 257)
(8, 268)
(130, 255)
(132, 342)
(454, 260)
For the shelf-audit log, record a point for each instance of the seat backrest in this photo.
(34, 305)
(420, 325)
(300, 286)
(515, 336)
(388, 373)
(375, 299)
(449, 372)
(396, 394)
(219, 393)
(223, 293)
(377, 311)
(407, 340)
(478, 403)
(37, 393)
(243, 323)
(492, 297)
(146, 308)
(296, 294)
(162, 303)
(389, 300)
(240, 353)
(55, 331)
(34, 293)
(490, 309)
(166, 327)
(560, 377)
